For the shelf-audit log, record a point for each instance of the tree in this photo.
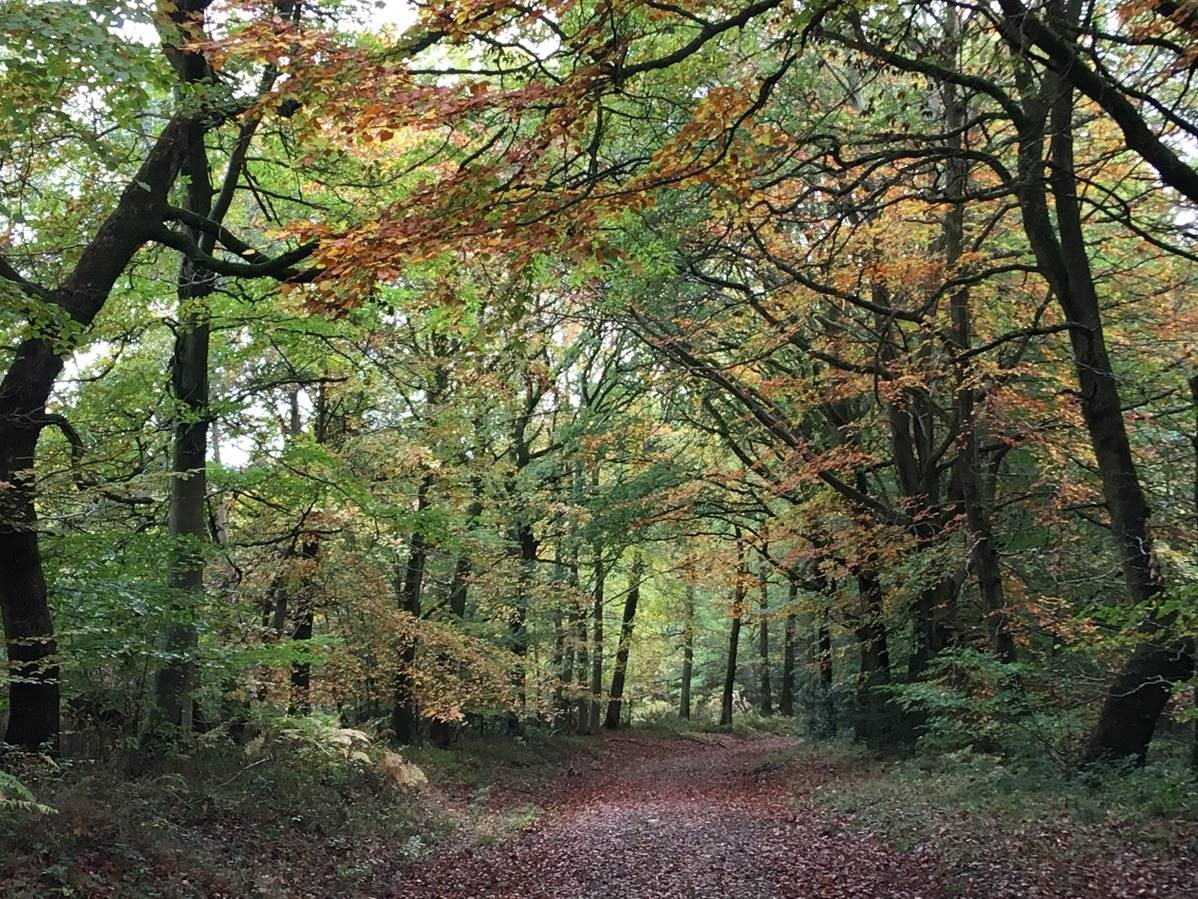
(632, 596)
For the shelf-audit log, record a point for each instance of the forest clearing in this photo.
(591, 448)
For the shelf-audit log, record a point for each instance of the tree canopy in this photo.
(474, 364)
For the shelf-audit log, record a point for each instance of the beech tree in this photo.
(519, 358)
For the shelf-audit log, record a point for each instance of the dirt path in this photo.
(683, 819)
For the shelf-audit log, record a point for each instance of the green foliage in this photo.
(939, 796)
(16, 797)
(971, 700)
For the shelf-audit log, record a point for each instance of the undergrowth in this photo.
(304, 803)
(956, 799)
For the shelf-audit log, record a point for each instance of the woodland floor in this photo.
(633, 815)
(722, 817)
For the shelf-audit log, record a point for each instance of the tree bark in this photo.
(572, 648)
(405, 712)
(873, 711)
(186, 525)
(1194, 443)
(597, 603)
(616, 698)
(823, 647)
(763, 641)
(527, 545)
(24, 391)
(305, 608)
(871, 633)
(738, 603)
(786, 701)
(1142, 688)
(969, 466)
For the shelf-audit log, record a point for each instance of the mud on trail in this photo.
(680, 818)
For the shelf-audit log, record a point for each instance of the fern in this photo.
(15, 796)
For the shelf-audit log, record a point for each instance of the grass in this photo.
(953, 800)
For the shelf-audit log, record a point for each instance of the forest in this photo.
(599, 448)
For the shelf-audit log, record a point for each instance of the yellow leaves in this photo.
(404, 775)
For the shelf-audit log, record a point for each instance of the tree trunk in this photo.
(306, 594)
(823, 647)
(24, 391)
(1194, 443)
(582, 701)
(28, 628)
(688, 652)
(593, 719)
(186, 524)
(301, 672)
(738, 602)
(619, 672)
(405, 713)
(575, 637)
(559, 665)
(786, 699)
(873, 710)
(1142, 688)
(969, 467)
(460, 585)
(913, 449)
(518, 623)
(871, 633)
(763, 642)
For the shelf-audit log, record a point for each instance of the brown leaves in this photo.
(679, 818)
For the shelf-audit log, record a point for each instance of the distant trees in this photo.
(569, 326)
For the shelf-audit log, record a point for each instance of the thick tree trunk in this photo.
(914, 451)
(444, 733)
(729, 691)
(688, 651)
(459, 587)
(28, 629)
(935, 625)
(24, 392)
(871, 633)
(616, 698)
(873, 710)
(984, 553)
(969, 466)
(526, 545)
(186, 521)
(405, 714)
(738, 605)
(1140, 691)
(518, 622)
(1136, 699)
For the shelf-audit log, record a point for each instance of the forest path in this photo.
(683, 818)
